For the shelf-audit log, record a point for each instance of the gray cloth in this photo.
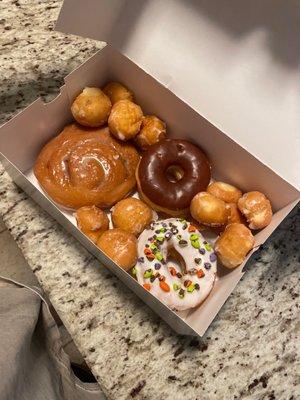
(33, 364)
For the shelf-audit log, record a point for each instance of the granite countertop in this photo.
(249, 352)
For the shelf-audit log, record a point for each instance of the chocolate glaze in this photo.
(153, 176)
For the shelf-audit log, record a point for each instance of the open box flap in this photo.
(218, 59)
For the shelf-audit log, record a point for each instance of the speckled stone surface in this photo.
(250, 350)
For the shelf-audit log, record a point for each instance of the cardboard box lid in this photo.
(237, 63)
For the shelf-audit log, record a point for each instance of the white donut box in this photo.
(211, 86)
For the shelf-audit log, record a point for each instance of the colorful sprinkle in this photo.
(152, 279)
(179, 275)
(184, 226)
(157, 266)
(148, 273)
(133, 271)
(159, 256)
(213, 257)
(194, 236)
(193, 271)
(202, 251)
(181, 293)
(147, 252)
(164, 286)
(147, 286)
(197, 286)
(191, 228)
(207, 265)
(200, 273)
(195, 244)
(168, 235)
(161, 278)
(187, 283)
(176, 286)
(191, 288)
(141, 259)
(172, 271)
(179, 237)
(208, 246)
(182, 243)
(174, 230)
(160, 239)
(153, 246)
(198, 260)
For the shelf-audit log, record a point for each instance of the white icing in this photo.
(189, 254)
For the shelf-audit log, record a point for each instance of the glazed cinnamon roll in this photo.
(83, 166)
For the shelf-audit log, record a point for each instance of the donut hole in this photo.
(174, 173)
(174, 257)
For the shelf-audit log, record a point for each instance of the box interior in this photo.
(22, 138)
(229, 64)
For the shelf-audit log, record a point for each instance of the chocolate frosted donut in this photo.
(170, 173)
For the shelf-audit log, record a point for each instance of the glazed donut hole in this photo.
(256, 208)
(234, 214)
(152, 131)
(91, 107)
(92, 221)
(125, 120)
(116, 92)
(131, 215)
(233, 245)
(209, 210)
(224, 191)
(120, 246)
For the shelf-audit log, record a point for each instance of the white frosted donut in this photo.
(175, 263)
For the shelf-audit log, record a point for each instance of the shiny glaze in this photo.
(152, 173)
(82, 167)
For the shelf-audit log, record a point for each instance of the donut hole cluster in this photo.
(114, 106)
(225, 207)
